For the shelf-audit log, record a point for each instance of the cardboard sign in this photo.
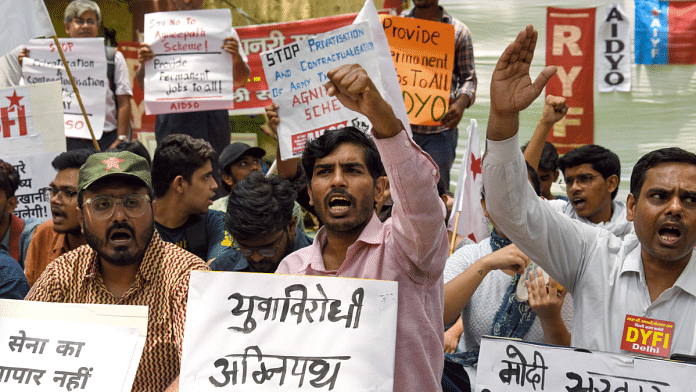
(647, 336)
(87, 61)
(190, 71)
(423, 54)
(41, 350)
(296, 75)
(265, 332)
(512, 365)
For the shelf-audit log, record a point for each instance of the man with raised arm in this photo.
(613, 281)
(342, 168)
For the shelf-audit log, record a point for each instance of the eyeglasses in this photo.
(51, 192)
(80, 21)
(266, 252)
(583, 180)
(102, 207)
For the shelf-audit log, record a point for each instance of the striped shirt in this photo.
(464, 75)
(161, 284)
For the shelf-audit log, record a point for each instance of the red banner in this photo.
(570, 45)
(256, 39)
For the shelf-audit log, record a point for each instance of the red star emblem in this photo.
(475, 165)
(112, 163)
(655, 12)
(14, 99)
(472, 237)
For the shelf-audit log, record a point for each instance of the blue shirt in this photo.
(201, 235)
(13, 283)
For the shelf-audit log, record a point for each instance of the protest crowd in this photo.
(129, 228)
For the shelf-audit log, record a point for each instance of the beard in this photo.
(122, 255)
(364, 209)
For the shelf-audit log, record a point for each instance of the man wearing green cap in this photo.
(125, 262)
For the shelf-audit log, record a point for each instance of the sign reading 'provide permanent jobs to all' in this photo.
(423, 54)
(190, 71)
(87, 61)
(296, 74)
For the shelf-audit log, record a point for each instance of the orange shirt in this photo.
(45, 246)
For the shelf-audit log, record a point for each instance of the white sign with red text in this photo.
(296, 74)
(190, 71)
(87, 61)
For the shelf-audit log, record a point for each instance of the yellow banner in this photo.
(423, 54)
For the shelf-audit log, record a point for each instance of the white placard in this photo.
(190, 71)
(265, 332)
(613, 49)
(512, 365)
(35, 173)
(87, 61)
(296, 74)
(49, 353)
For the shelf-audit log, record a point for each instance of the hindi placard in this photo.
(265, 332)
(512, 365)
(296, 74)
(190, 71)
(35, 173)
(423, 54)
(87, 61)
(52, 354)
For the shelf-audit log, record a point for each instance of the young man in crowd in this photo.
(260, 218)
(212, 126)
(15, 232)
(62, 233)
(182, 172)
(82, 20)
(342, 167)
(592, 174)
(236, 161)
(441, 141)
(13, 283)
(649, 275)
(126, 262)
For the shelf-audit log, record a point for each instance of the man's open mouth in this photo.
(339, 203)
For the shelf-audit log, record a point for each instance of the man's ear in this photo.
(630, 207)
(309, 192)
(11, 204)
(382, 189)
(555, 175)
(67, 25)
(228, 179)
(612, 183)
(178, 184)
(80, 219)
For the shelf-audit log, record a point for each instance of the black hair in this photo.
(654, 158)
(73, 159)
(178, 155)
(135, 147)
(330, 140)
(549, 157)
(602, 160)
(259, 206)
(9, 179)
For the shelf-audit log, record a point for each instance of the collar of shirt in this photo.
(446, 18)
(371, 234)
(147, 270)
(634, 263)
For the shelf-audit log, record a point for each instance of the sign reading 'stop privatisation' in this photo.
(296, 74)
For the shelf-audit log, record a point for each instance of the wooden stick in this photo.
(77, 93)
(454, 234)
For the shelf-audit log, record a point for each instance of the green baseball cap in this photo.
(108, 164)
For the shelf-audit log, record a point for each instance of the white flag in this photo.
(613, 49)
(23, 20)
(467, 197)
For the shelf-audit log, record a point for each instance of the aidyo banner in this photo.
(296, 74)
(613, 49)
(87, 61)
(265, 332)
(511, 365)
(190, 71)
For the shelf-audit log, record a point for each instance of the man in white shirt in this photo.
(613, 282)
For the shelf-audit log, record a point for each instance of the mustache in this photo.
(119, 226)
(340, 191)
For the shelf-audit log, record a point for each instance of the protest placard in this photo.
(43, 349)
(423, 54)
(87, 61)
(512, 365)
(35, 173)
(265, 332)
(190, 71)
(296, 75)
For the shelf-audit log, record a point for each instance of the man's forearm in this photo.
(502, 126)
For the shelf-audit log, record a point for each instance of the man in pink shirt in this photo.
(411, 248)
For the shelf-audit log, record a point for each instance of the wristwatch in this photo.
(122, 137)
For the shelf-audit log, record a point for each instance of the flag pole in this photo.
(454, 234)
(77, 93)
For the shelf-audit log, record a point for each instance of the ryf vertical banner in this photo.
(570, 46)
